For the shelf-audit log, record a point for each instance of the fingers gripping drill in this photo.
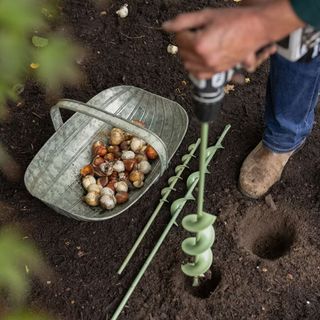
(301, 45)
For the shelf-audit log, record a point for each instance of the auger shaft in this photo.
(202, 179)
(202, 166)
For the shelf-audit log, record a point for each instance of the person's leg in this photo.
(292, 95)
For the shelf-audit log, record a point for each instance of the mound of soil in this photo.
(266, 257)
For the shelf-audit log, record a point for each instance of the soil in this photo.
(266, 254)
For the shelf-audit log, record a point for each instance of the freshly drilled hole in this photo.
(274, 244)
(208, 284)
(268, 235)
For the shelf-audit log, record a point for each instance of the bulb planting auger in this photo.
(207, 100)
(201, 223)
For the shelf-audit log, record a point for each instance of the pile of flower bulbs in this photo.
(116, 168)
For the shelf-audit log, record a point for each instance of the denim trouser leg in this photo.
(292, 95)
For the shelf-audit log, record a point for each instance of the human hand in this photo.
(227, 37)
(224, 38)
(254, 60)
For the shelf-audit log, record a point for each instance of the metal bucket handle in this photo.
(150, 137)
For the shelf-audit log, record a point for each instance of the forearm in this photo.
(277, 19)
(308, 11)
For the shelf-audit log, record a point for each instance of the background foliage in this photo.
(27, 49)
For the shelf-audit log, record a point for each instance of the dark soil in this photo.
(267, 262)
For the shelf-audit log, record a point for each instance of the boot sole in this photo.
(249, 195)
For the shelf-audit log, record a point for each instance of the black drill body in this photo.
(208, 95)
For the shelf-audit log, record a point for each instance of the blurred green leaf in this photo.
(19, 19)
(57, 62)
(14, 255)
(26, 315)
(53, 62)
(14, 56)
(12, 279)
(39, 42)
(20, 16)
(49, 13)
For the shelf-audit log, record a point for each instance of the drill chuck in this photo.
(208, 95)
(206, 112)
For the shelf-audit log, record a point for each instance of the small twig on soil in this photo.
(235, 309)
(151, 27)
(129, 37)
(245, 109)
(35, 114)
(274, 292)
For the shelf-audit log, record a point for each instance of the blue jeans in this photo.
(291, 100)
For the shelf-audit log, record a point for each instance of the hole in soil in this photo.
(274, 244)
(208, 284)
(268, 235)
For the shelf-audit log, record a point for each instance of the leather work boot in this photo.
(261, 170)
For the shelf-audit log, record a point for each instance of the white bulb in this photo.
(127, 155)
(123, 11)
(136, 144)
(94, 188)
(108, 202)
(107, 191)
(92, 199)
(87, 180)
(119, 166)
(144, 166)
(121, 186)
(172, 49)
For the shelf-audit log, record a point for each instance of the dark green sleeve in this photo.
(308, 11)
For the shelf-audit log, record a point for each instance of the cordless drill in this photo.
(301, 45)
(208, 96)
